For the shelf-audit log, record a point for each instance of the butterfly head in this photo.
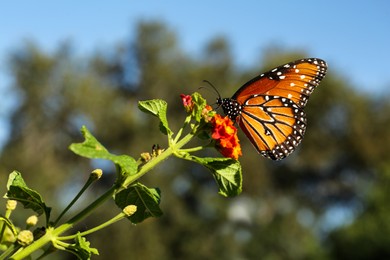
(230, 107)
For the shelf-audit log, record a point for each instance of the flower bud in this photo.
(187, 102)
(11, 204)
(96, 174)
(145, 157)
(130, 210)
(32, 221)
(25, 237)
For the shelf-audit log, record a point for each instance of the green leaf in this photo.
(127, 165)
(226, 172)
(18, 190)
(91, 148)
(15, 178)
(158, 108)
(146, 199)
(81, 248)
(199, 105)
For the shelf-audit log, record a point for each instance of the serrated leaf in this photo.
(226, 172)
(91, 148)
(81, 248)
(31, 199)
(146, 199)
(158, 108)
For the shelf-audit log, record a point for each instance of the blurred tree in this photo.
(56, 95)
(368, 237)
(278, 216)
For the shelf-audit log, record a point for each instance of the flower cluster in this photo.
(225, 135)
(223, 130)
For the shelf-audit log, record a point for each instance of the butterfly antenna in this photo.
(214, 88)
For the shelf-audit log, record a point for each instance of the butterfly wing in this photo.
(295, 80)
(274, 125)
(272, 114)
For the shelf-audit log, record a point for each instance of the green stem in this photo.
(88, 210)
(178, 135)
(173, 149)
(52, 234)
(3, 225)
(90, 180)
(34, 246)
(8, 252)
(60, 245)
(195, 149)
(97, 228)
(2, 229)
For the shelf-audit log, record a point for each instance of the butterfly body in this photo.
(269, 108)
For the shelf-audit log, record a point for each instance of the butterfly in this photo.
(270, 107)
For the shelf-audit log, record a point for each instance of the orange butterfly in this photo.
(269, 108)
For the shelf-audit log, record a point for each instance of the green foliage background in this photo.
(328, 200)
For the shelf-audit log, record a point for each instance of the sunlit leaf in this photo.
(199, 105)
(146, 199)
(18, 190)
(158, 108)
(226, 172)
(91, 148)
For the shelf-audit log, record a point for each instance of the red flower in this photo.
(187, 102)
(225, 135)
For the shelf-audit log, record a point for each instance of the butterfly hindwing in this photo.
(275, 127)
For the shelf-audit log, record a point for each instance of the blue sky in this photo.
(353, 36)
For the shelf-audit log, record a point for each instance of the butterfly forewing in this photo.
(269, 108)
(295, 80)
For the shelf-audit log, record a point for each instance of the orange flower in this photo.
(225, 135)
